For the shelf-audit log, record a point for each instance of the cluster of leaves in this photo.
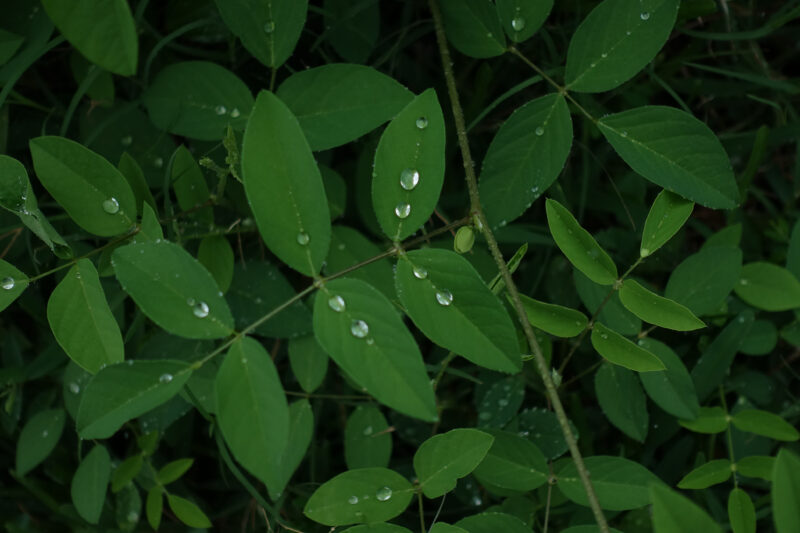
(228, 194)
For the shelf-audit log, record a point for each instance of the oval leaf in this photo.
(769, 287)
(521, 18)
(709, 420)
(621, 398)
(673, 513)
(473, 27)
(309, 362)
(492, 522)
(620, 483)
(766, 424)
(187, 512)
(512, 462)
(667, 215)
(656, 309)
(671, 389)
(554, 319)
(618, 350)
(703, 280)
(706, 475)
(741, 512)
(89, 484)
(786, 492)
(367, 443)
(38, 439)
(443, 459)
(12, 283)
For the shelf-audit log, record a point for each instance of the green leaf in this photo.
(187, 512)
(707, 475)
(134, 175)
(620, 483)
(667, 215)
(671, 389)
(38, 439)
(367, 443)
(197, 99)
(408, 172)
(492, 523)
(521, 18)
(621, 398)
(675, 151)
(154, 506)
(362, 332)
(382, 527)
(473, 27)
(173, 289)
(512, 462)
(284, 187)
(89, 484)
(364, 495)
(615, 41)
(587, 529)
(766, 424)
(612, 312)
(656, 309)
(349, 247)
(673, 513)
(309, 362)
(103, 31)
(150, 229)
(449, 302)
(216, 254)
(741, 512)
(579, 246)
(714, 364)
(335, 190)
(792, 253)
(786, 492)
(443, 459)
(191, 189)
(9, 44)
(128, 507)
(525, 157)
(762, 339)
(554, 319)
(709, 420)
(301, 429)
(338, 103)
(81, 319)
(252, 411)
(90, 189)
(441, 527)
(541, 427)
(703, 280)
(268, 29)
(618, 350)
(760, 466)
(173, 470)
(354, 29)
(769, 287)
(126, 390)
(12, 283)
(14, 185)
(126, 471)
(500, 402)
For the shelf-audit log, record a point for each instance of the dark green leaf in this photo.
(703, 280)
(301, 428)
(656, 309)
(133, 173)
(492, 523)
(667, 215)
(12, 283)
(671, 389)
(512, 462)
(620, 483)
(443, 459)
(441, 527)
(381, 527)
(367, 443)
(762, 339)
(706, 475)
(499, 402)
(769, 287)
(673, 513)
(521, 18)
(766, 424)
(760, 466)
(541, 427)
(187, 512)
(621, 398)
(349, 247)
(618, 350)
(473, 27)
(715, 361)
(191, 189)
(353, 28)
(554, 319)
(90, 483)
(309, 362)
(709, 420)
(38, 439)
(741, 512)
(216, 254)
(612, 313)
(786, 492)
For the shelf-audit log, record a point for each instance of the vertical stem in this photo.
(421, 512)
(475, 205)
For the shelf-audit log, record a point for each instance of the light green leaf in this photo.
(621, 398)
(512, 462)
(349, 247)
(268, 29)
(366, 441)
(284, 187)
(620, 483)
(103, 31)
(703, 280)
(656, 309)
(525, 157)
(673, 513)
(12, 283)
(615, 41)
(786, 492)
(671, 389)
(187, 512)
(173, 289)
(91, 190)
(154, 506)
(216, 254)
(126, 471)
(338, 103)
(81, 319)
(521, 18)
(612, 312)
(362, 332)
(443, 459)
(667, 215)
(197, 99)
(252, 410)
(760, 466)
(408, 172)
(449, 302)
(579, 246)
(554, 319)
(90, 483)
(173, 470)
(766, 424)
(713, 365)
(741, 512)
(473, 27)
(309, 362)
(706, 475)
(618, 350)
(492, 523)
(38, 438)
(364, 495)
(191, 189)
(126, 390)
(769, 287)
(675, 151)
(709, 420)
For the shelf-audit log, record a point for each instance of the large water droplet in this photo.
(158, 162)
(502, 402)
(422, 123)
(303, 238)
(220, 109)
(74, 388)
(126, 141)
(518, 23)
(8, 283)
(419, 272)
(352, 500)
(133, 516)
(383, 494)
(367, 431)
(111, 206)
(444, 297)
(200, 309)
(539, 131)
(402, 210)
(165, 378)
(235, 113)
(409, 178)
(359, 329)
(336, 303)
(645, 15)
(269, 27)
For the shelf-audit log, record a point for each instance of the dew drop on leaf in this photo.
(359, 329)
(220, 109)
(539, 131)
(352, 500)
(127, 140)
(303, 238)
(402, 210)
(368, 431)
(444, 297)
(74, 388)
(383, 494)
(44, 433)
(200, 309)
(409, 178)
(645, 15)
(111, 206)
(422, 123)
(518, 23)
(165, 378)
(235, 113)
(8, 283)
(419, 272)
(336, 303)
(269, 27)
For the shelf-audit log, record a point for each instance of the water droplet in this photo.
(44, 433)
(485, 415)
(422, 123)
(165, 378)
(383, 494)
(624, 133)
(269, 27)
(336, 303)
(476, 501)
(200, 309)
(409, 178)
(8, 283)
(111, 206)
(126, 141)
(235, 113)
(133, 516)
(644, 252)
(370, 341)
(303, 238)
(743, 282)
(402, 210)
(518, 23)
(368, 431)
(628, 32)
(74, 388)
(539, 131)
(444, 297)
(644, 16)
(359, 329)
(352, 500)
(502, 402)
(158, 162)
(419, 272)
(603, 335)
(604, 55)
(220, 109)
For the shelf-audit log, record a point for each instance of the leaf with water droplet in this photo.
(618, 350)
(443, 459)
(622, 400)
(391, 367)
(666, 216)
(473, 27)
(523, 18)
(499, 402)
(513, 462)
(767, 286)
(454, 308)
(409, 168)
(38, 438)
(12, 283)
(366, 441)
(349, 247)
(541, 427)
(329, 504)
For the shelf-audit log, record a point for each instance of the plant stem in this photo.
(472, 186)
(421, 512)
